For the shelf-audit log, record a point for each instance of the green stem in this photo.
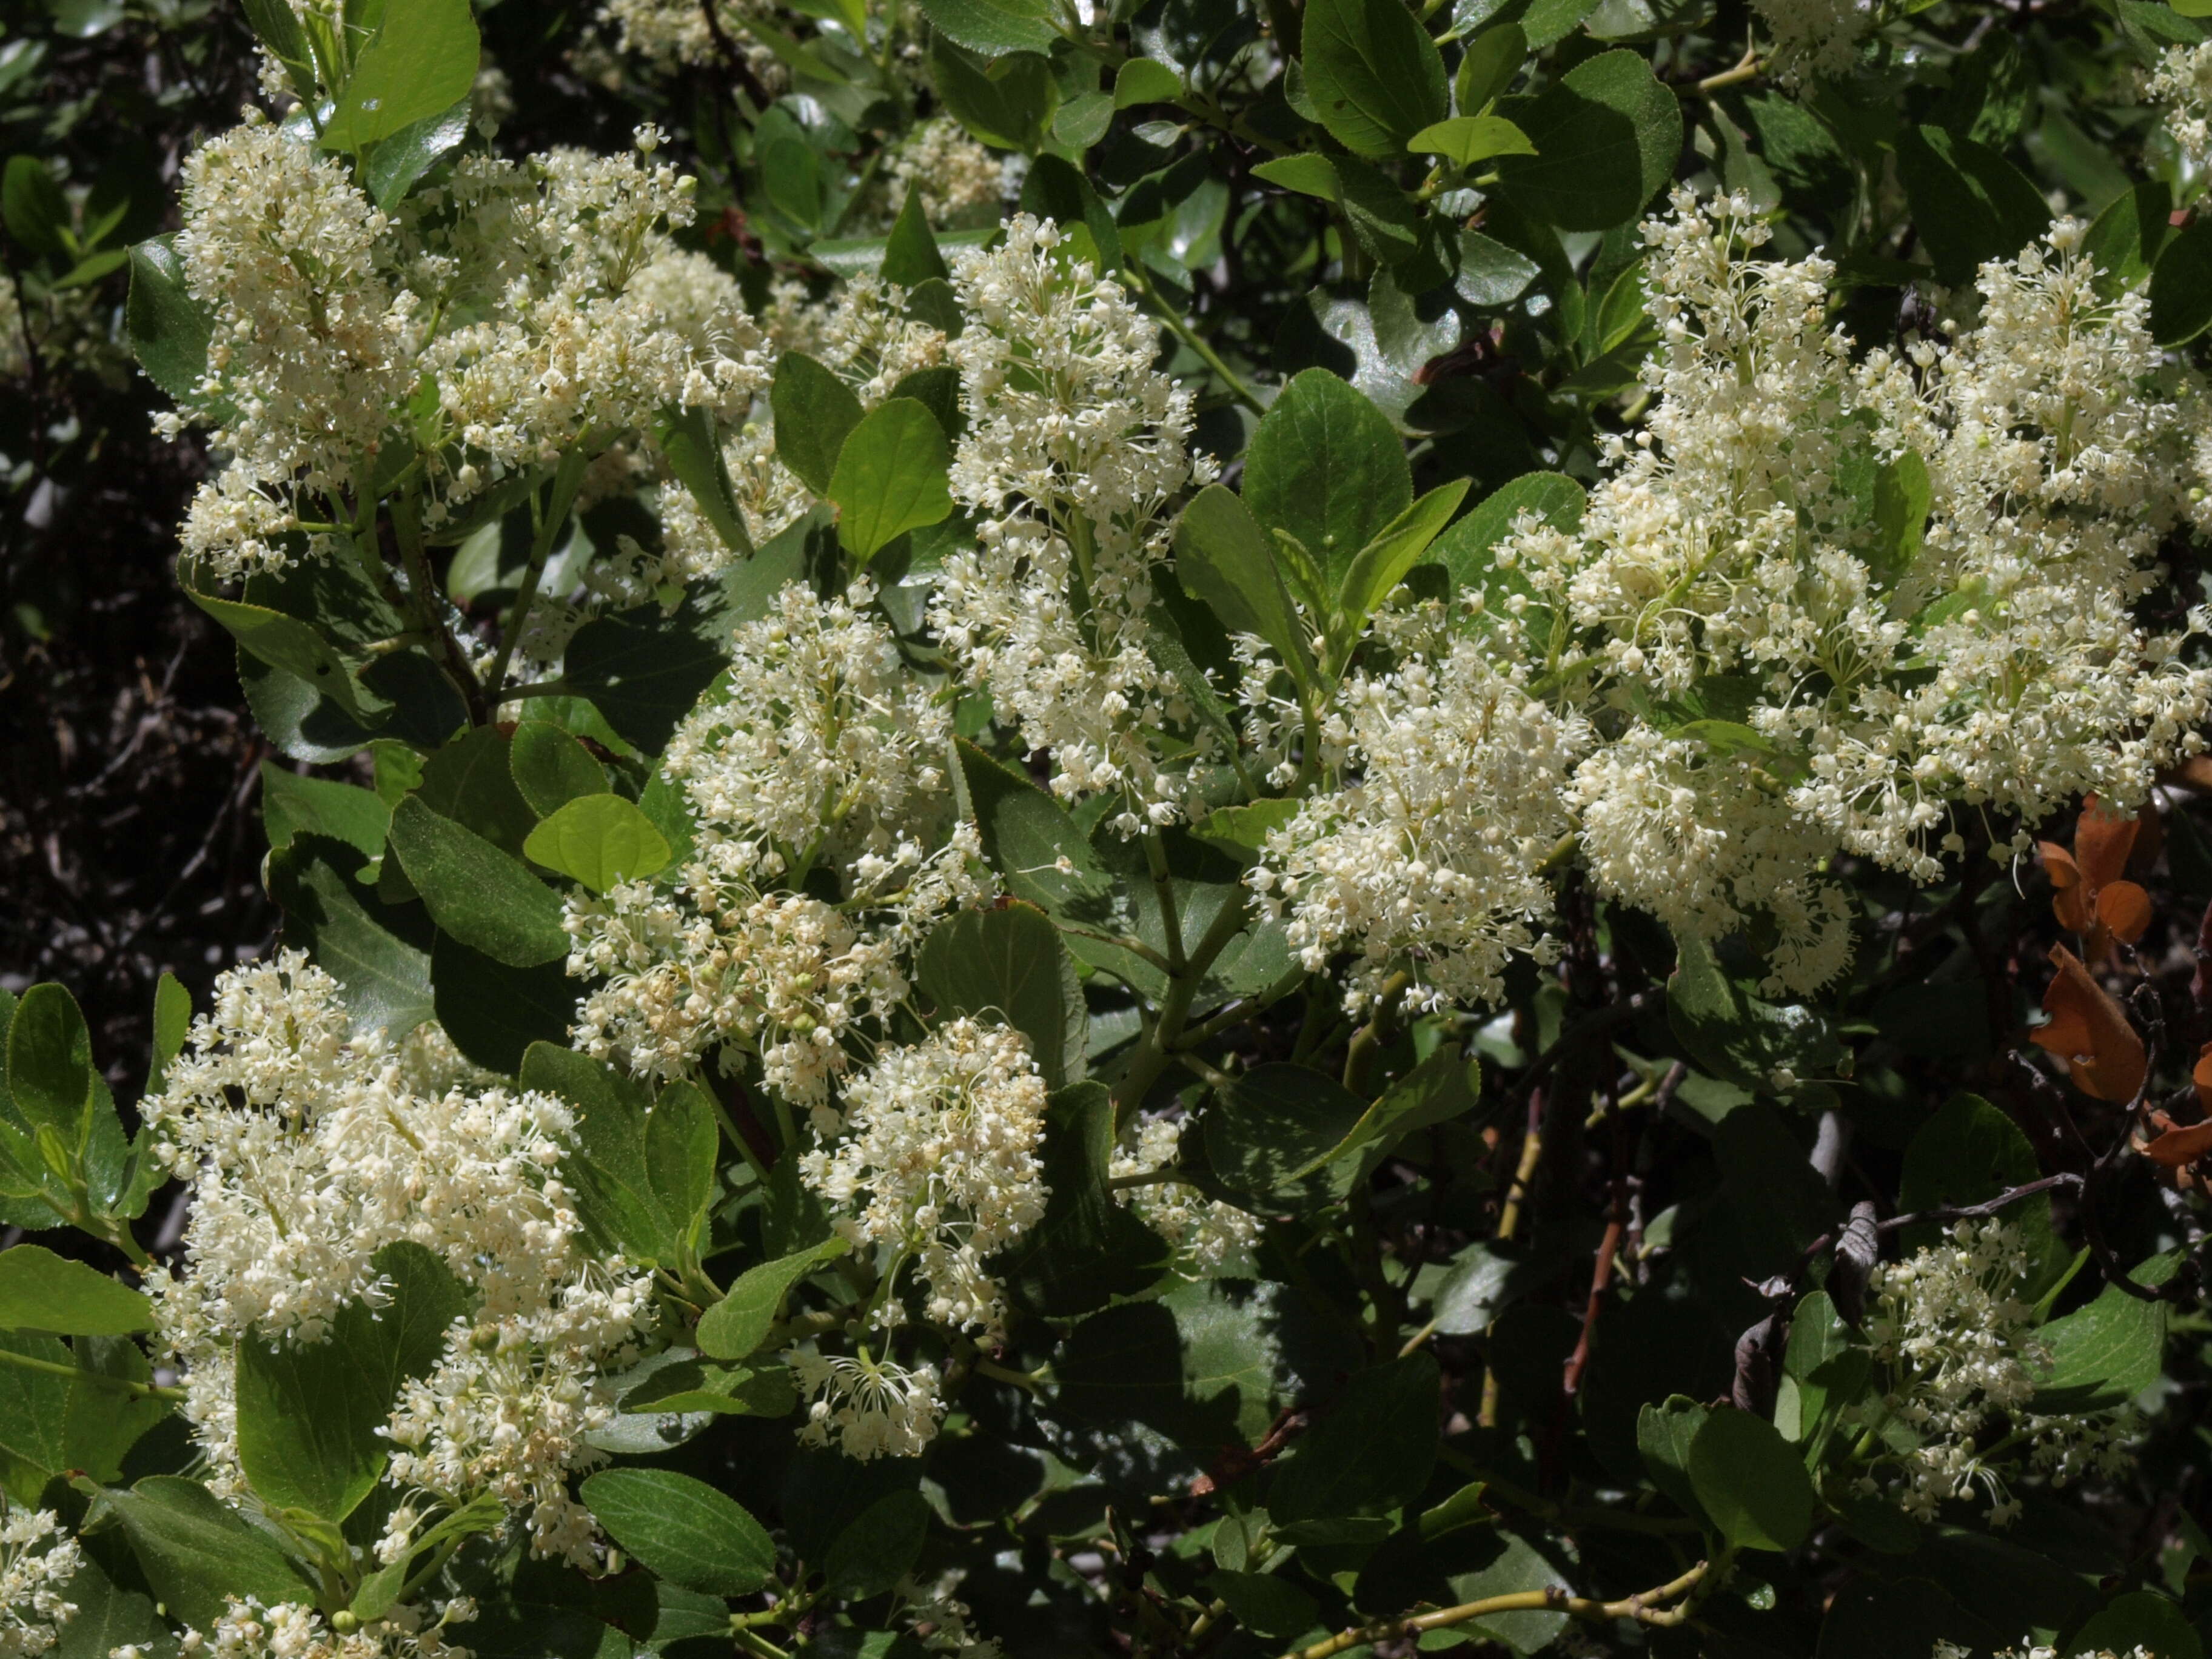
(98, 1379)
(1183, 331)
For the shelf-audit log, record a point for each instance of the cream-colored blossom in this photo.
(37, 1561)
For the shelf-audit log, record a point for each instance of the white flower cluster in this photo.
(1429, 853)
(934, 1158)
(37, 1561)
(1823, 602)
(1074, 445)
(535, 305)
(249, 1630)
(959, 179)
(824, 753)
(1815, 38)
(308, 1150)
(672, 34)
(2031, 1649)
(2182, 81)
(1210, 1239)
(867, 1407)
(1962, 1350)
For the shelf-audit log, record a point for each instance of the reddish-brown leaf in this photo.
(2202, 1077)
(2177, 1143)
(2090, 1032)
(2102, 841)
(2125, 909)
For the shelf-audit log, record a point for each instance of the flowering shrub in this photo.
(1213, 830)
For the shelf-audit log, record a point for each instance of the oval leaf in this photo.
(683, 1529)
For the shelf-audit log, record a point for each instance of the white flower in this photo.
(866, 1408)
(2182, 81)
(1209, 1238)
(37, 1561)
(936, 1157)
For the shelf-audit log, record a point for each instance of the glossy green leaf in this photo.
(910, 255)
(172, 1024)
(1223, 558)
(169, 328)
(1142, 80)
(1272, 1137)
(311, 1414)
(1008, 963)
(892, 476)
(294, 805)
(642, 1169)
(380, 954)
(1751, 1481)
(1325, 469)
(42, 1291)
(644, 668)
(1008, 103)
(474, 891)
(276, 26)
(2181, 286)
(683, 1529)
(1969, 204)
(2106, 1354)
(420, 63)
(734, 1327)
(50, 1071)
(691, 444)
(1382, 564)
(1487, 65)
(399, 162)
(1373, 74)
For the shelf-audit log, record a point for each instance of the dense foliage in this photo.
(1186, 831)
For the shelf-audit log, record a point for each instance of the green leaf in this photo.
(310, 1414)
(379, 954)
(1010, 962)
(1969, 204)
(551, 768)
(1309, 174)
(1664, 1435)
(42, 1291)
(815, 412)
(482, 897)
(995, 28)
(1466, 139)
(109, 1617)
(2181, 286)
(197, 1552)
(683, 1529)
(1491, 274)
(2106, 1354)
(172, 1024)
(292, 804)
(1143, 81)
(276, 26)
(734, 1327)
(1387, 223)
(1264, 1603)
(1487, 65)
(1751, 1481)
(32, 207)
(689, 442)
(1967, 1152)
(1373, 74)
(1372, 1453)
(1606, 137)
(1084, 119)
(1272, 1137)
(1382, 563)
(1902, 496)
(1437, 1090)
(892, 476)
(1055, 190)
(1086, 1250)
(880, 1547)
(600, 840)
(1734, 1035)
(1007, 104)
(169, 329)
(642, 1169)
(1026, 835)
(2139, 1621)
(2124, 242)
(910, 255)
(397, 163)
(1224, 559)
(50, 1071)
(298, 647)
(643, 669)
(1326, 468)
(421, 61)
